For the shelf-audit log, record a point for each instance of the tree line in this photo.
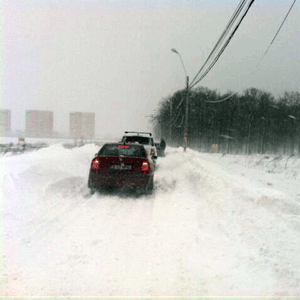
(247, 123)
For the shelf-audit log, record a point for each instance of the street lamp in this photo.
(186, 102)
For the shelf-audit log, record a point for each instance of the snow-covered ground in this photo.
(215, 226)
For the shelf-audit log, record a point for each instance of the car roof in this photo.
(137, 133)
(121, 143)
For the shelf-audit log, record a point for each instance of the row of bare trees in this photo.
(253, 122)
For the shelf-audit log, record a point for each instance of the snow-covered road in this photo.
(214, 226)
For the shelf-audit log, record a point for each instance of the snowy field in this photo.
(215, 226)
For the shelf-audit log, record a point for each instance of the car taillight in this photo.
(95, 164)
(145, 166)
(124, 146)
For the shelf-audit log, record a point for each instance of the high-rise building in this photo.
(5, 121)
(82, 125)
(39, 123)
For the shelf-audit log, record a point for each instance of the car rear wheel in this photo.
(92, 191)
(149, 188)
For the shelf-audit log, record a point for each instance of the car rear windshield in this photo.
(137, 139)
(114, 150)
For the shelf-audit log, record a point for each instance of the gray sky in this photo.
(113, 57)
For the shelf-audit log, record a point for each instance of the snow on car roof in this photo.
(137, 133)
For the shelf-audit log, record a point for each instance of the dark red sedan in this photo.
(122, 165)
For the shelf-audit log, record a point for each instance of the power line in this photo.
(217, 101)
(225, 45)
(228, 27)
(217, 46)
(277, 31)
(223, 35)
(172, 119)
(228, 97)
(177, 109)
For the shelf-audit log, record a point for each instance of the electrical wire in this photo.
(181, 121)
(218, 44)
(174, 119)
(277, 31)
(177, 109)
(217, 101)
(179, 113)
(263, 56)
(223, 35)
(225, 45)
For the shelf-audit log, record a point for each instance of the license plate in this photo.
(120, 167)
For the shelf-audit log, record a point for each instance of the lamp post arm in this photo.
(183, 65)
(175, 51)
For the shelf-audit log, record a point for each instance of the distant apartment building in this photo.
(5, 121)
(39, 123)
(82, 125)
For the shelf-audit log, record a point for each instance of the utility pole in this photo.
(186, 114)
(185, 137)
(170, 133)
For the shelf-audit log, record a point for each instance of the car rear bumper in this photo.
(97, 180)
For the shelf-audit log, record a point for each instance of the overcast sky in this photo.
(113, 57)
